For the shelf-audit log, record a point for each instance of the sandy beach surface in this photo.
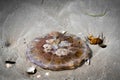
(23, 20)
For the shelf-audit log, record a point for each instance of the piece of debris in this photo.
(87, 62)
(103, 45)
(97, 40)
(9, 64)
(31, 70)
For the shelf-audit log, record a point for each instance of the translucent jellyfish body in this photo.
(58, 51)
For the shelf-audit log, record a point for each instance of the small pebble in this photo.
(87, 62)
(31, 70)
(10, 62)
(8, 65)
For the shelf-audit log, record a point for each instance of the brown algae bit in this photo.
(96, 40)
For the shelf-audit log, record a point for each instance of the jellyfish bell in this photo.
(58, 51)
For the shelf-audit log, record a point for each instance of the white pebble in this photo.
(8, 65)
(31, 70)
(87, 62)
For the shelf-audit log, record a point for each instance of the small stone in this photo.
(87, 62)
(10, 62)
(8, 65)
(31, 70)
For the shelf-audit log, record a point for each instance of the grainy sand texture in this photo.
(23, 20)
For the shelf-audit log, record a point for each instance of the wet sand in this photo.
(23, 20)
